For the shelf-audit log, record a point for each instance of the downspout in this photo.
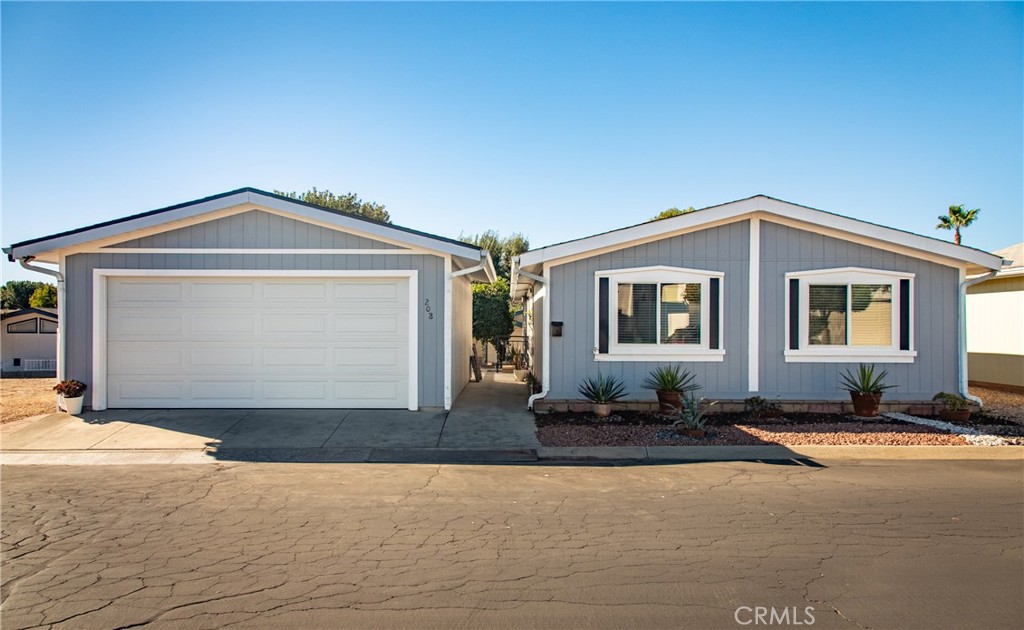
(962, 336)
(61, 352)
(545, 348)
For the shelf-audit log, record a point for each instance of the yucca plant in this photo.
(603, 389)
(694, 414)
(671, 379)
(864, 381)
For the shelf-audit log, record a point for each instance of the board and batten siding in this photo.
(786, 249)
(573, 301)
(431, 279)
(462, 333)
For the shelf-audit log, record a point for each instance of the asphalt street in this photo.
(875, 544)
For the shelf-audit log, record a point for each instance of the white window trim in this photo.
(669, 352)
(847, 354)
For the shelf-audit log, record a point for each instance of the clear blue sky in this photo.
(556, 120)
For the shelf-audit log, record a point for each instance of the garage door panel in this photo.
(251, 342)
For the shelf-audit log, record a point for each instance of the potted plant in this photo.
(692, 418)
(518, 365)
(70, 395)
(602, 391)
(866, 388)
(955, 408)
(670, 383)
(760, 408)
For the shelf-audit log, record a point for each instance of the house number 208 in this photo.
(426, 309)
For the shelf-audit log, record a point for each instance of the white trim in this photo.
(754, 306)
(845, 354)
(240, 251)
(658, 352)
(99, 311)
(448, 279)
(779, 211)
(546, 332)
(62, 347)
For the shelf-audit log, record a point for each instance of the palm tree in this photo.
(956, 219)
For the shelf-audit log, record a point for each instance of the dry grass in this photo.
(24, 397)
(1001, 404)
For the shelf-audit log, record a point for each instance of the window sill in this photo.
(706, 356)
(851, 356)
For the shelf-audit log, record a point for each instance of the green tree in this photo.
(956, 220)
(502, 250)
(492, 318)
(671, 212)
(15, 294)
(44, 297)
(349, 203)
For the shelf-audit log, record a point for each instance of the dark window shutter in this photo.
(904, 314)
(794, 314)
(714, 302)
(602, 315)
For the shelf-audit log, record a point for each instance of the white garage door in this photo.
(258, 342)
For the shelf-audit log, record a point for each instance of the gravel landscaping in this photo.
(799, 429)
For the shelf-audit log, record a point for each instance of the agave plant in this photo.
(671, 379)
(864, 381)
(694, 414)
(603, 389)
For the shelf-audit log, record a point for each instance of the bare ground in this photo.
(1001, 404)
(24, 397)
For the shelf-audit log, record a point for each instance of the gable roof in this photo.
(45, 246)
(28, 311)
(840, 225)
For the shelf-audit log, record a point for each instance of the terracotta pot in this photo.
(602, 410)
(669, 402)
(961, 415)
(865, 405)
(693, 433)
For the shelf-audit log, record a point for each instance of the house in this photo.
(28, 340)
(995, 325)
(251, 299)
(756, 297)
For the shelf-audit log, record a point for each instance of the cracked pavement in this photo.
(895, 544)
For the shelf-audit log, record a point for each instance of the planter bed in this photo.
(634, 428)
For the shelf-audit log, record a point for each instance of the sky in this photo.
(554, 120)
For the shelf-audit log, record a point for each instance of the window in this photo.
(47, 326)
(25, 327)
(849, 315)
(654, 312)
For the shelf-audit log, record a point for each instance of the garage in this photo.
(258, 342)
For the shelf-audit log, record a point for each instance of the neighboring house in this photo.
(29, 342)
(995, 325)
(250, 299)
(757, 297)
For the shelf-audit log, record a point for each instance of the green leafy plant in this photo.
(70, 388)
(759, 407)
(865, 380)
(671, 379)
(603, 389)
(953, 402)
(694, 413)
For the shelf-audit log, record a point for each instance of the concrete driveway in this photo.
(489, 414)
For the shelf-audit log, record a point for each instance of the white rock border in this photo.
(973, 436)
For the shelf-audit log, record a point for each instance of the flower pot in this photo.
(960, 415)
(669, 403)
(71, 405)
(693, 433)
(865, 405)
(520, 375)
(602, 410)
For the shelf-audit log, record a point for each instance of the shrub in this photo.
(603, 389)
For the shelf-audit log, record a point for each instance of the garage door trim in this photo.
(99, 312)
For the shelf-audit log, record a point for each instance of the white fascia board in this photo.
(737, 210)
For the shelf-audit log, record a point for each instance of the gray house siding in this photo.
(263, 233)
(573, 302)
(785, 249)
(462, 333)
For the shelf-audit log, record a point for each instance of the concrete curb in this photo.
(541, 455)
